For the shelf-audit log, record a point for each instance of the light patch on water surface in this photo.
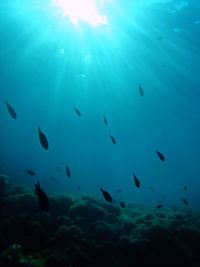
(78, 10)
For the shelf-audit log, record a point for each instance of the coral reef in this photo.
(86, 232)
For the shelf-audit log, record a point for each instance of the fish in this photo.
(67, 170)
(119, 190)
(159, 206)
(11, 110)
(185, 187)
(160, 155)
(53, 179)
(159, 38)
(185, 201)
(122, 204)
(113, 139)
(43, 139)
(141, 91)
(43, 202)
(105, 121)
(30, 172)
(106, 195)
(152, 189)
(137, 182)
(77, 111)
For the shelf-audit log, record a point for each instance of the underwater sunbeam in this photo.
(80, 10)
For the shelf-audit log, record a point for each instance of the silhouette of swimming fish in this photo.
(43, 139)
(11, 110)
(137, 182)
(77, 111)
(160, 155)
(106, 195)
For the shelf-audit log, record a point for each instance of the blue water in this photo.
(49, 66)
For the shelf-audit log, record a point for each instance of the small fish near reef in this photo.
(136, 181)
(160, 155)
(159, 206)
(30, 172)
(141, 91)
(43, 202)
(106, 195)
(122, 204)
(43, 139)
(67, 170)
(185, 201)
(77, 111)
(11, 110)
(113, 139)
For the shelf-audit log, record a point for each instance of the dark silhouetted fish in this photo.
(77, 112)
(141, 91)
(185, 201)
(106, 195)
(185, 187)
(152, 189)
(30, 172)
(119, 190)
(160, 155)
(159, 206)
(11, 110)
(137, 182)
(113, 139)
(105, 121)
(43, 202)
(67, 170)
(53, 179)
(122, 204)
(43, 139)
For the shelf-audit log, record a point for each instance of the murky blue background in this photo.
(48, 66)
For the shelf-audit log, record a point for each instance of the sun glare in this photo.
(80, 10)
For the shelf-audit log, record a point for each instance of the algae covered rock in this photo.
(4, 184)
(66, 235)
(87, 210)
(14, 257)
